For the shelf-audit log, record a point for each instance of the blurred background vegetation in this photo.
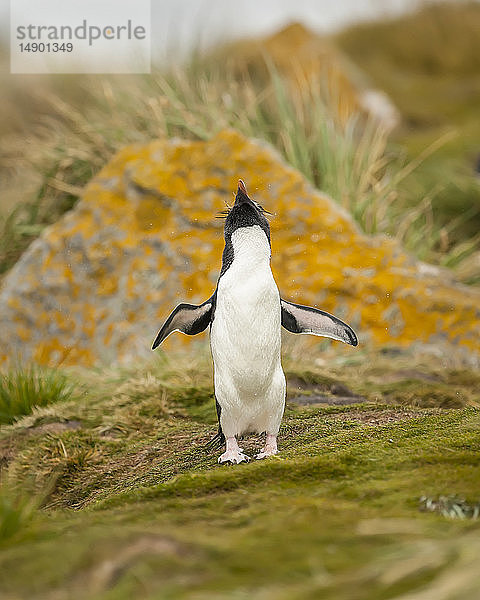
(301, 92)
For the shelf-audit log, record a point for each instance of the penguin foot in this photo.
(266, 452)
(233, 456)
(270, 448)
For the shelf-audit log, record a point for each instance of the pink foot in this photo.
(233, 453)
(270, 448)
(233, 457)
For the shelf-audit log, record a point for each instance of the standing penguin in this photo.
(245, 314)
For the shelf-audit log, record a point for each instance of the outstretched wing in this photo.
(306, 319)
(187, 318)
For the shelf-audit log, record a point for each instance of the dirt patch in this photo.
(393, 376)
(56, 427)
(7, 452)
(297, 384)
(330, 392)
(307, 400)
(377, 417)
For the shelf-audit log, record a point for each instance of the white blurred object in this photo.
(379, 106)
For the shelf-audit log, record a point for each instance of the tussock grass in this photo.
(23, 389)
(349, 159)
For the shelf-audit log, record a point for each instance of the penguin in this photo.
(245, 314)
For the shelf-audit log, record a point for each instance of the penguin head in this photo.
(245, 213)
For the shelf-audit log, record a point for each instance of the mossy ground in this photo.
(131, 505)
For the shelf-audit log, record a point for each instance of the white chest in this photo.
(247, 322)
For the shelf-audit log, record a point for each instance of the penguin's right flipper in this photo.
(306, 319)
(187, 318)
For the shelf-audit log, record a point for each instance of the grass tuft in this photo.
(16, 512)
(23, 389)
(350, 159)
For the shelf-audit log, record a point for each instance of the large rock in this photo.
(97, 284)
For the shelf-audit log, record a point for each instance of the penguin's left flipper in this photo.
(306, 319)
(187, 318)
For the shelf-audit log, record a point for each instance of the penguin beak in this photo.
(242, 196)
